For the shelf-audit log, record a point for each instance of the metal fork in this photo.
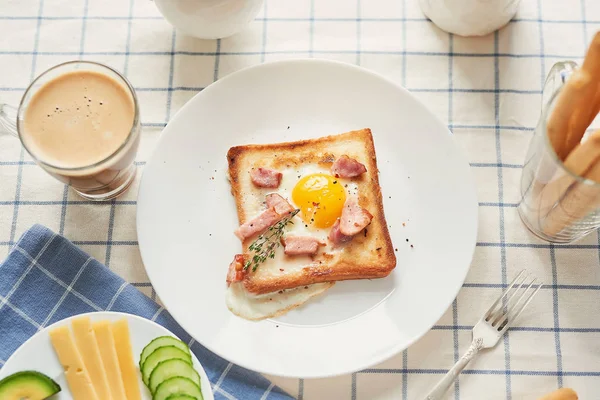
(490, 328)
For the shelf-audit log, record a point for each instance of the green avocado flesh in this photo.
(27, 385)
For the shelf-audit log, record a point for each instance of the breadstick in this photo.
(564, 199)
(579, 200)
(559, 122)
(591, 64)
(586, 111)
(581, 114)
(584, 155)
(595, 105)
(579, 162)
(561, 394)
(575, 103)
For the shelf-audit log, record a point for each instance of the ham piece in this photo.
(336, 236)
(277, 209)
(354, 218)
(259, 224)
(346, 167)
(280, 204)
(265, 178)
(300, 245)
(236, 269)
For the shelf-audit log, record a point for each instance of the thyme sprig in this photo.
(265, 245)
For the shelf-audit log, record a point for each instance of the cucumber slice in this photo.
(170, 368)
(29, 385)
(162, 354)
(162, 341)
(177, 385)
(180, 397)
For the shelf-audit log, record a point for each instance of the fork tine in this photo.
(508, 323)
(488, 314)
(503, 316)
(496, 315)
(509, 292)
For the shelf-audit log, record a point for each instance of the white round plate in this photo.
(186, 217)
(37, 353)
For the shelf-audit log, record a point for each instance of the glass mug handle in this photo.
(8, 120)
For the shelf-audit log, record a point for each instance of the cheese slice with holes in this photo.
(79, 381)
(108, 352)
(85, 338)
(120, 330)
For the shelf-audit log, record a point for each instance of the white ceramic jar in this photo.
(470, 17)
(209, 19)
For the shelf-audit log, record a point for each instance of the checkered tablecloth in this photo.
(487, 90)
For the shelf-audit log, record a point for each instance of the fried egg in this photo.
(320, 196)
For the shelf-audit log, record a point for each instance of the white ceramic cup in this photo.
(209, 19)
(470, 17)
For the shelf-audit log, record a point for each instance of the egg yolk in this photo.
(320, 198)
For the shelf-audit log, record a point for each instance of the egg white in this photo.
(257, 307)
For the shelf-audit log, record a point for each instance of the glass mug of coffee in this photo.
(80, 122)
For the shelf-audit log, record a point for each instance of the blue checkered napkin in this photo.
(45, 278)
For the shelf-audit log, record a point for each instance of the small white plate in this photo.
(37, 353)
(186, 217)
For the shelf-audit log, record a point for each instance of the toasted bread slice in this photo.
(370, 254)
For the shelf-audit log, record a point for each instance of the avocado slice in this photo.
(27, 385)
